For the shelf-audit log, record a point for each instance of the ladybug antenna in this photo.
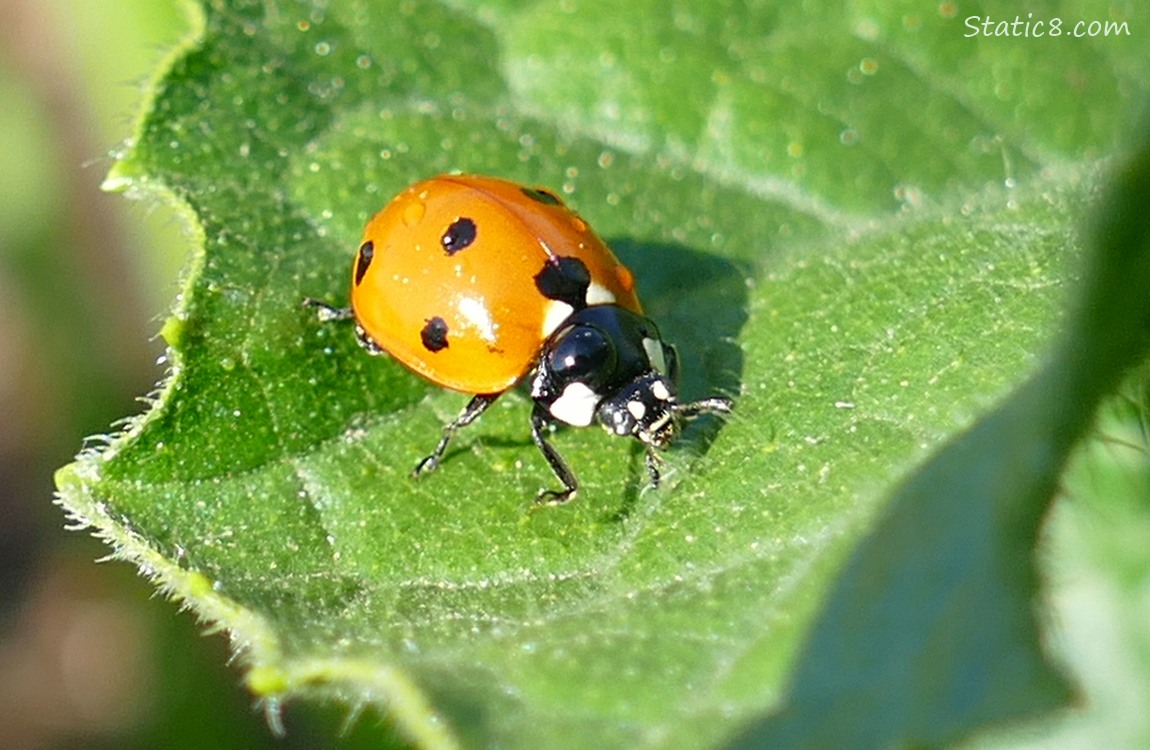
(709, 405)
(660, 435)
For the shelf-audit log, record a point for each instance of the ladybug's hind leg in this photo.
(328, 312)
(476, 406)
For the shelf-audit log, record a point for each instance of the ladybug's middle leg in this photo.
(476, 406)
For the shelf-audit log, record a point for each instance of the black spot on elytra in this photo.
(542, 195)
(459, 235)
(564, 279)
(434, 334)
(363, 260)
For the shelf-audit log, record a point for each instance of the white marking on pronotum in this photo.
(576, 405)
(637, 408)
(597, 294)
(553, 317)
(654, 349)
(476, 313)
(659, 390)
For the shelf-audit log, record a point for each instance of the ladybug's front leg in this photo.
(476, 406)
(654, 464)
(540, 420)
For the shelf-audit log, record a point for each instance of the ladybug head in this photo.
(609, 365)
(645, 408)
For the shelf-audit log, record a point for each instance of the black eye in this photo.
(584, 354)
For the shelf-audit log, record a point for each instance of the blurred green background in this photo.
(89, 656)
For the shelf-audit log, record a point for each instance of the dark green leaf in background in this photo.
(862, 225)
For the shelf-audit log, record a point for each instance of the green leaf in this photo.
(940, 592)
(860, 224)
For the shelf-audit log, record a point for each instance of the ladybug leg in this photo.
(653, 465)
(711, 405)
(539, 422)
(327, 312)
(476, 406)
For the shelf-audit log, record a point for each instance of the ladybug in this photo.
(478, 284)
